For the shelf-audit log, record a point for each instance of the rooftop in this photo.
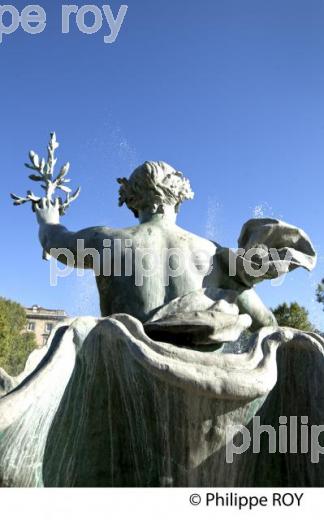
(36, 310)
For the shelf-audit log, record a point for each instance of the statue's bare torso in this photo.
(152, 264)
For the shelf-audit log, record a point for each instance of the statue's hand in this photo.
(48, 212)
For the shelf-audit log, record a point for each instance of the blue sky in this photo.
(231, 92)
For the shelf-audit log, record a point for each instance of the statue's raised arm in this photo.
(68, 247)
(51, 207)
(56, 240)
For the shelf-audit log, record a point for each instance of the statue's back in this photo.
(151, 264)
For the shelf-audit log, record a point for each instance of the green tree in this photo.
(15, 344)
(293, 315)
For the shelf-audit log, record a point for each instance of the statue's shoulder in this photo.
(97, 234)
(195, 241)
(96, 231)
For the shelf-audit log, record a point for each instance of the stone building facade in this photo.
(41, 321)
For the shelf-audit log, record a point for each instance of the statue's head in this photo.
(152, 187)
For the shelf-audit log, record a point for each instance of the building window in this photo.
(48, 328)
(31, 326)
